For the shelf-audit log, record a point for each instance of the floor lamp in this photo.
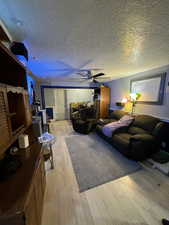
(133, 99)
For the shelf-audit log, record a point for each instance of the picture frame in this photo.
(151, 88)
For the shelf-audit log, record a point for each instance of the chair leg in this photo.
(51, 160)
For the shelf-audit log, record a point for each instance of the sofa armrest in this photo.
(160, 131)
(142, 146)
(75, 115)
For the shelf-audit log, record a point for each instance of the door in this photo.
(59, 99)
(104, 102)
(56, 98)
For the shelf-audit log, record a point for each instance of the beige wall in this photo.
(121, 88)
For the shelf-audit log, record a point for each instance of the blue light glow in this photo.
(50, 69)
(31, 87)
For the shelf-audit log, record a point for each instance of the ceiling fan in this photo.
(87, 75)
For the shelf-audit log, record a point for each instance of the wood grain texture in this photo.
(104, 101)
(138, 199)
(5, 128)
(15, 115)
(23, 193)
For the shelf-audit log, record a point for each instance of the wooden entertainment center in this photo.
(21, 194)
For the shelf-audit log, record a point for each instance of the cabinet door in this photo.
(5, 129)
(104, 102)
(31, 211)
(34, 205)
(43, 176)
(28, 114)
(39, 190)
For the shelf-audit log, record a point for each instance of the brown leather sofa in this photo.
(113, 117)
(138, 141)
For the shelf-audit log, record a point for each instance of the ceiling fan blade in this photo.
(98, 75)
(95, 81)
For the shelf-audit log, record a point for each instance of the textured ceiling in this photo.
(121, 36)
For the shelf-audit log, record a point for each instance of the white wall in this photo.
(55, 98)
(79, 95)
(121, 88)
(59, 99)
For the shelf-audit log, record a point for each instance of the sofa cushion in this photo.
(145, 122)
(122, 140)
(117, 114)
(136, 130)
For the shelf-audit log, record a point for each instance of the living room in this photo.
(84, 105)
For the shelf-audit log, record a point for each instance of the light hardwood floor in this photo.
(141, 198)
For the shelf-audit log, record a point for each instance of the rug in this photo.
(96, 162)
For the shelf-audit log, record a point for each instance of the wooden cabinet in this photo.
(15, 114)
(34, 207)
(5, 130)
(28, 114)
(30, 216)
(23, 205)
(12, 71)
(104, 101)
(21, 199)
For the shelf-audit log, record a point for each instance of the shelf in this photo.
(15, 90)
(11, 56)
(11, 114)
(13, 71)
(18, 130)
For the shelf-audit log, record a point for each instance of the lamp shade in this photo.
(135, 96)
(124, 100)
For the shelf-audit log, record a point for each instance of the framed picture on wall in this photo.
(151, 88)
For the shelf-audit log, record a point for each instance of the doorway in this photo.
(60, 98)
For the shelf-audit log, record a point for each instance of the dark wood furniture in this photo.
(12, 71)
(104, 101)
(3, 34)
(15, 112)
(22, 195)
(21, 199)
